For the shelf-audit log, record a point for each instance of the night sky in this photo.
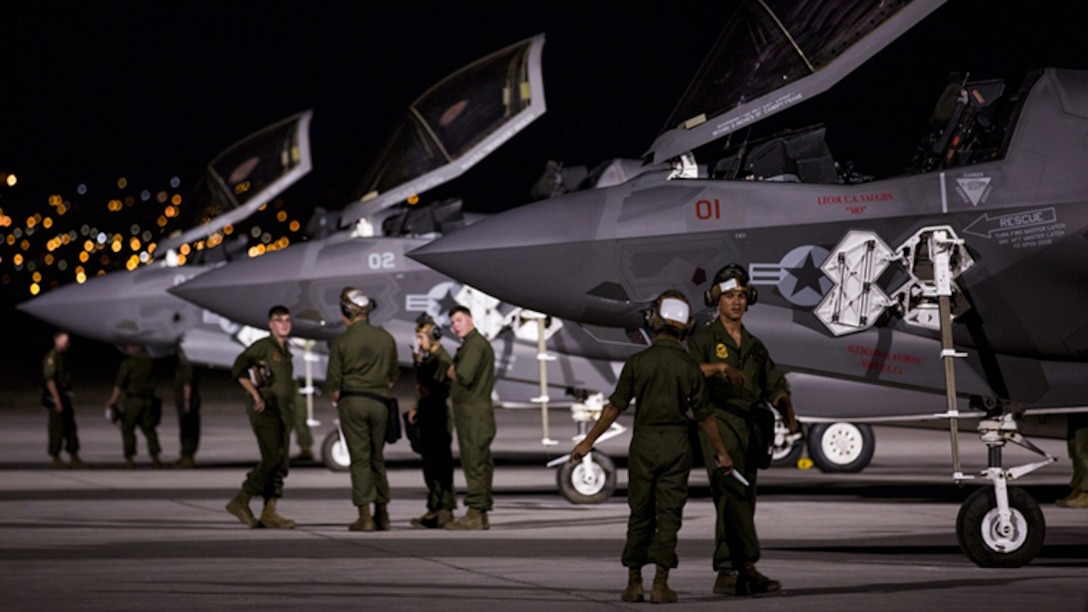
(91, 92)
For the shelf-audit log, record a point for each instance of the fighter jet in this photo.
(954, 285)
(379, 227)
(133, 307)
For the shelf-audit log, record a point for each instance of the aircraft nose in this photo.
(547, 256)
(245, 289)
(118, 307)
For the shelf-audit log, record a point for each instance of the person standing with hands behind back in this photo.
(362, 369)
(57, 398)
(473, 378)
(665, 384)
(740, 375)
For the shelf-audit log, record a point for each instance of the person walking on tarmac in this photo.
(431, 416)
(740, 374)
(472, 376)
(187, 400)
(57, 398)
(265, 371)
(362, 369)
(142, 408)
(665, 384)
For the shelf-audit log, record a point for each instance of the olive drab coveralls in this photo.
(137, 379)
(363, 360)
(474, 416)
(735, 530)
(62, 425)
(272, 426)
(432, 419)
(188, 422)
(665, 383)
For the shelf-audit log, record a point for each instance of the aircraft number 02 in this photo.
(380, 261)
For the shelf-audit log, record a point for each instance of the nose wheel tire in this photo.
(989, 544)
(594, 483)
(841, 447)
(335, 453)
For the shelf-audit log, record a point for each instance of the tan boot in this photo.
(58, 463)
(364, 522)
(239, 507)
(445, 517)
(381, 517)
(1078, 499)
(76, 463)
(427, 521)
(473, 520)
(726, 583)
(305, 455)
(661, 592)
(185, 462)
(634, 591)
(270, 519)
(128, 463)
(751, 582)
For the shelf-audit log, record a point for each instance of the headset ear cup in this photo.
(708, 297)
(753, 295)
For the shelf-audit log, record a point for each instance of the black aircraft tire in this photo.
(595, 487)
(976, 529)
(841, 447)
(334, 453)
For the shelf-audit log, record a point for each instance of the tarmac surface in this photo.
(111, 539)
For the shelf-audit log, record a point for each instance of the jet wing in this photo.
(454, 125)
(244, 177)
(774, 54)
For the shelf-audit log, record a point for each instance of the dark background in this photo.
(90, 92)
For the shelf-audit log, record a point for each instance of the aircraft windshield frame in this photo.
(454, 125)
(772, 55)
(243, 177)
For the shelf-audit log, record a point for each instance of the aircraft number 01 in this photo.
(380, 261)
(707, 209)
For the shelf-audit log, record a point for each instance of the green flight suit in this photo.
(735, 529)
(188, 420)
(272, 427)
(136, 378)
(363, 360)
(665, 383)
(474, 416)
(1078, 450)
(435, 439)
(304, 436)
(62, 425)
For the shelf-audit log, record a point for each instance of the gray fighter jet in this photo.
(380, 227)
(953, 288)
(133, 307)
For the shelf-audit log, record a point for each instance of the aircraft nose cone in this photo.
(244, 290)
(546, 256)
(118, 307)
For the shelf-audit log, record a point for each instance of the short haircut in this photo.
(278, 309)
(461, 309)
(59, 333)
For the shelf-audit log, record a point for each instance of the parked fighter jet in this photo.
(368, 254)
(133, 307)
(955, 285)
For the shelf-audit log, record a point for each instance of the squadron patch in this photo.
(276, 356)
(722, 351)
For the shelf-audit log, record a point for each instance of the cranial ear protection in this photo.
(354, 303)
(732, 276)
(670, 310)
(423, 321)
